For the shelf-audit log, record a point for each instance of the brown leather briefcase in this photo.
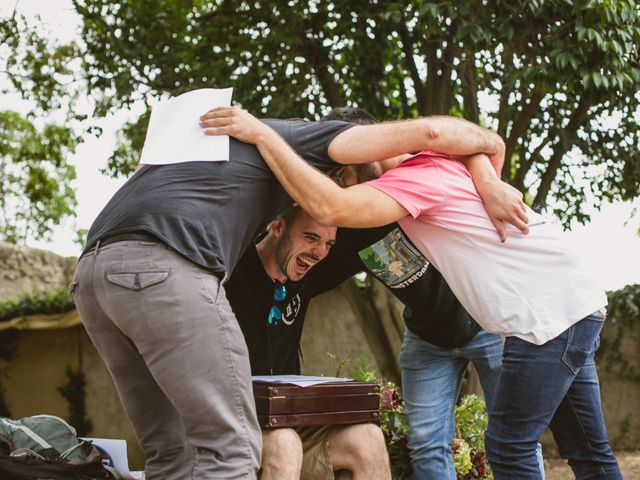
(287, 405)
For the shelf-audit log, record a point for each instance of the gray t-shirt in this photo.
(210, 211)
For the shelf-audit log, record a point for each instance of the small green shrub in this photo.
(469, 456)
(48, 302)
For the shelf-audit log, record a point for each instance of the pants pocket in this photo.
(582, 342)
(574, 358)
(138, 280)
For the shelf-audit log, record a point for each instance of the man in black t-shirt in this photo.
(149, 285)
(269, 292)
(440, 340)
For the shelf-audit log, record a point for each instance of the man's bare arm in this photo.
(502, 202)
(449, 135)
(317, 194)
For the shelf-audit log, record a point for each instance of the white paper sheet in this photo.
(116, 450)
(300, 380)
(174, 134)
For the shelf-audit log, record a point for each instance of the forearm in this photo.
(356, 206)
(481, 169)
(449, 135)
(502, 202)
(456, 136)
(308, 187)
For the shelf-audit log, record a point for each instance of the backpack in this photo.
(45, 447)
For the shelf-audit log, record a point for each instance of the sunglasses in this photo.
(279, 295)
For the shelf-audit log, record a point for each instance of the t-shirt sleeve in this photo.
(311, 139)
(415, 184)
(332, 271)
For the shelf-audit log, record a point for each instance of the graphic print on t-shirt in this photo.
(291, 310)
(394, 260)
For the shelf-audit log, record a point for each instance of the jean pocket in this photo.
(137, 280)
(582, 342)
(575, 358)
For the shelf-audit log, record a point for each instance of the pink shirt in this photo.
(532, 286)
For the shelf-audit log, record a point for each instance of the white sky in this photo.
(613, 247)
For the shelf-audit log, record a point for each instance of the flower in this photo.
(390, 398)
(469, 457)
(461, 457)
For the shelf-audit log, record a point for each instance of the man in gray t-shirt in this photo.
(149, 286)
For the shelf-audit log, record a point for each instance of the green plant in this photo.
(8, 344)
(74, 393)
(338, 364)
(395, 427)
(364, 371)
(52, 301)
(622, 320)
(471, 423)
(469, 456)
(4, 410)
(625, 427)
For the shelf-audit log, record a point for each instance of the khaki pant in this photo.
(166, 332)
(316, 462)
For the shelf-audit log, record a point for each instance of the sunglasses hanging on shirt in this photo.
(279, 296)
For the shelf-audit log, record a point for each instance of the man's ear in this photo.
(277, 227)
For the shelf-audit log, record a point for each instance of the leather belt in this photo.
(124, 237)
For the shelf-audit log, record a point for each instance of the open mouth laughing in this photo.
(305, 262)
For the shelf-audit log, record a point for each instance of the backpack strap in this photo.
(82, 445)
(35, 437)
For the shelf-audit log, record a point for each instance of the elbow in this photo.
(495, 145)
(325, 213)
(430, 131)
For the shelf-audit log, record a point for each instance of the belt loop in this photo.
(97, 247)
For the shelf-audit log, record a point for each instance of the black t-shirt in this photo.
(431, 309)
(272, 349)
(210, 211)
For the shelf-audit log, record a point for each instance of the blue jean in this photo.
(555, 385)
(431, 380)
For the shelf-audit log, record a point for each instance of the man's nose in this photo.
(320, 251)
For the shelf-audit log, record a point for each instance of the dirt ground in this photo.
(557, 469)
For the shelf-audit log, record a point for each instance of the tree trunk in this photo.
(564, 144)
(470, 90)
(373, 309)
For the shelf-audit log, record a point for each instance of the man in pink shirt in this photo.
(531, 289)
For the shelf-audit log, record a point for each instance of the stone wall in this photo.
(25, 269)
(30, 380)
(337, 323)
(620, 396)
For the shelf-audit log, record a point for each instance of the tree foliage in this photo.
(558, 79)
(35, 177)
(623, 333)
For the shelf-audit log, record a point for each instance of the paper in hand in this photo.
(174, 135)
